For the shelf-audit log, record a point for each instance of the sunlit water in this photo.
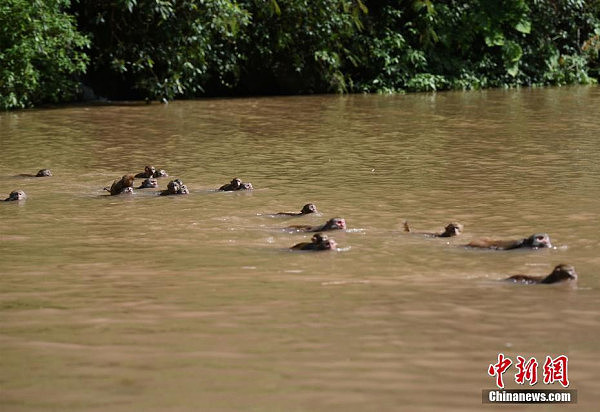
(195, 302)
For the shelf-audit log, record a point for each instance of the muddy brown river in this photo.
(195, 303)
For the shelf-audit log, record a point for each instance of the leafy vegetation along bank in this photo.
(166, 49)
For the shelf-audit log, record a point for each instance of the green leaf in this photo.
(275, 7)
(513, 70)
(494, 39)
(524, 26)
(512, 52)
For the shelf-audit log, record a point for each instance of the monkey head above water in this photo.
(535, 241)
(147, 173)
(452, 229)
(335, 223)
(236, 184)
(40, 173)
(561, 273)
(16, 195)
(151, 171)
(149, 183)
(175, 187)
(120, 185)
(318, 242)
(44, 173)
(306, 209)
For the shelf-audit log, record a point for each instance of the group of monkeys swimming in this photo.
(320, 241)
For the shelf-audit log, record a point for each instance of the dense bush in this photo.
(163, 49)
(516, 42)
(556, 49)
(392, 48)
(299, 46)
(169, 48)
(40, 53)
(433, 45)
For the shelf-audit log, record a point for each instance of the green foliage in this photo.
(524, 42)
(170, 48)
(40, 53)
(387, 58)
(497, 43)
(299, 46)
(591, 52)
(162, 48)
(554, 53)
(480, 40)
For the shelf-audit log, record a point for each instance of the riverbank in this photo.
(171, 50)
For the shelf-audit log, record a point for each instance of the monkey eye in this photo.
(540, 238)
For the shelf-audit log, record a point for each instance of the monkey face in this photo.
(150, 170)
(44, 173)
(329, 244)
(16, 195)
(453, 229)
(323, 242)
(564, 272)
(173, 186)
(540, 240)
(336, 223)
(149, 183)
(308, 208)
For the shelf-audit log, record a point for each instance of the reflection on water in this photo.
(195, 302)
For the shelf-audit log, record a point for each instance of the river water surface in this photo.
(195, 302)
